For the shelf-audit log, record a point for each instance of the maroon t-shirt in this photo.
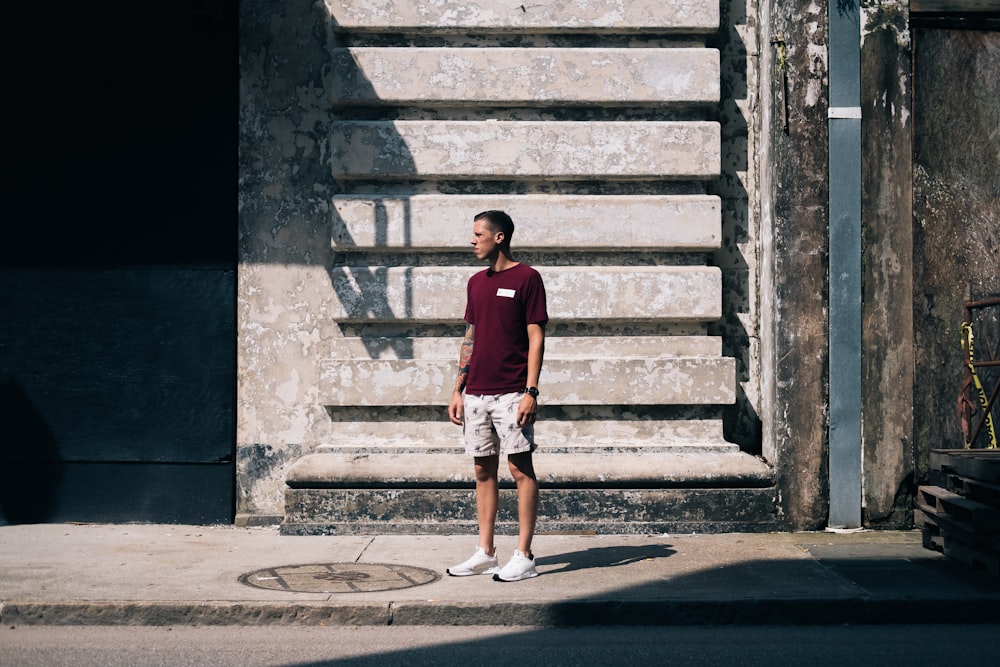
(501, 306)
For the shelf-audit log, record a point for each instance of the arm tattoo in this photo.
(464, 356)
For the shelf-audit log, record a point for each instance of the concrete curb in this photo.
(852, 611)
(127, 612)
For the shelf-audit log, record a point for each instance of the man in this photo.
(499, 365)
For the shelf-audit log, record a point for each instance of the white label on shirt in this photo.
(509, 293)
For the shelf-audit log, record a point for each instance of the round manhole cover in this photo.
(339, 578)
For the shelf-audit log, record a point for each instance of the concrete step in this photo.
(629, 467)
(620, 511)
(360, 429)
(502, 16)
(399, 76)
(556, 347)
(678, 381)
(575, 294)
(617, 490)
(585, 222)
(478, 150)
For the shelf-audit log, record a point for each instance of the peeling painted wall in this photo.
(285, 292)
(956, 204)
(931, 201)
(889, 458)
(794, 229)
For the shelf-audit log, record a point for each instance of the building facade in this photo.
(674, 169)
(758, 223)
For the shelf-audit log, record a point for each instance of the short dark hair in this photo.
(498, 221)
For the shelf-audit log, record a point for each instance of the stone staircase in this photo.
(592, 124)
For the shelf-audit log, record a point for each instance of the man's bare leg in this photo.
(523, 470)
(487, 500)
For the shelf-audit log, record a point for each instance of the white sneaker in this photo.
(478, 563)
(517, 568)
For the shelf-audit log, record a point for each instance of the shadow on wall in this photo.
(30, 472)
(359, 271)
(741, 422)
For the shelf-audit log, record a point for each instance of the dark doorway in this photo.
(118, 264)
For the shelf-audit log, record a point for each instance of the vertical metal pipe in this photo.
(845, 264)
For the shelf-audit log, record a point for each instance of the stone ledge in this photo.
(516, 76)
(599, 510)
(248, 520)
(455, 526)
(677, 381)
(583, 222)
(437, 294)
(556, 347)
(635, 469)
(499, 16)
(489, 149)
(378, 428)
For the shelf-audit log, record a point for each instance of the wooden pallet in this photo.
(976, 517)
(959, 514)
(973, 489)
(983, 559)
(978, 464)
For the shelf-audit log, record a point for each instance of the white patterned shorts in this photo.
(490, 426)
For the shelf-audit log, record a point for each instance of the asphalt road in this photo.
(744, 646)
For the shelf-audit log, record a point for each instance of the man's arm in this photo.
(528, 407)
(457, 405)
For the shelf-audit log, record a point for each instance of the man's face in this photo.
(485, 241)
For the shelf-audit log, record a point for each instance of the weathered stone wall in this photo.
(738, 187)
(889, 456)
(930, 209)
(956, 235)
(794, 284)
(284, 289)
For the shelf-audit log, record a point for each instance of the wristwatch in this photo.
(533, 391)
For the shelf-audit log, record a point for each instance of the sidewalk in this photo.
(141, 574)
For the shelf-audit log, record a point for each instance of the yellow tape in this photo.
(980, 392)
